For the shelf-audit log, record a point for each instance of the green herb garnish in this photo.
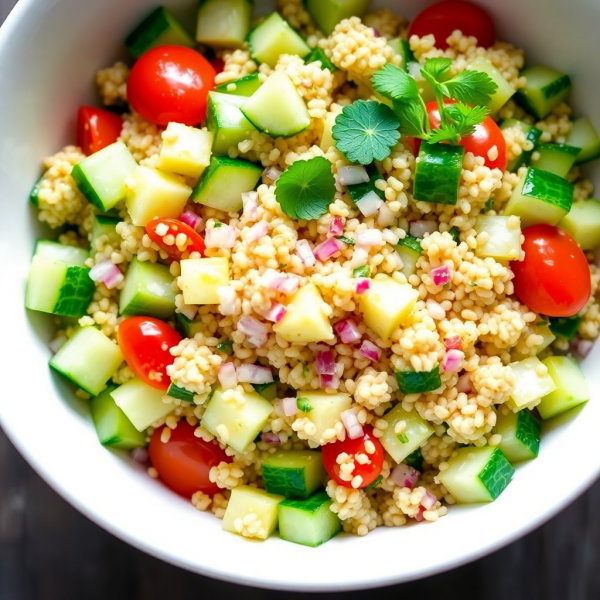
(362, 272)
(225, 347)
(411, 242)
(304, 369)
(306, 188)
(446, 286)
(373, 485)
(488, 205)
(541, 323)
(303, 404)
(403, 438)
(348, 241)
(472, 284)
(455, 234)
(217, 224)
(366, 131)
(282, 266)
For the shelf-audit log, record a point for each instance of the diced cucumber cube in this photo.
(293, 473)
(540, 197)
(223, 22)
(505, 90)
(223, 183)
(387, 304)
(185, 150)
(267, 390)
(565, 327)
(417, 432)
(542, 329)
(153, 194)
(412, 382)
(584, 136)
(328, 13)
(89, 359)
(142, 404)
(114, 429)
(34, 195)
(545, 90)
(409, 259)
(147, 290)
(415, 460)
(532, 382)
(520, 435)
(227, 122)
(327, 140)
(277, 108)
(246, 500)
(201, 278)
(180, 393)
(571, 388)
(583, 223)
(556, 158)
(105, 226)
(476, 474)
(306, 318)
(244, 86)
(236, 425)
(325, 410)
(437, 177)
(401, 48)
(70, 255)
(308, 522)
(359, 190)
(187, 327)
(101, 177)
(159, 28)
(317, 55)
(274, 37)
(504, 241)
(533, 134)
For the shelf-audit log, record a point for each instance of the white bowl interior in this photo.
(49, 52)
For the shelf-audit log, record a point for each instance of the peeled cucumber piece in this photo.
(328, 13)
(532, 382)
(142, 404)
(583, 223)
(505, 90)
(223, 23)
(520, 435)
(293, 473)
(504, 242)
(571, 387)
(324, 410)
(185, 150)
(416, 433)
(201, 278)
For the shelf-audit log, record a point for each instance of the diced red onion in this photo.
(140, 455)
(369, 204)
(453, 360)
(325, 363)
(254, 374)
(464, 384)
(453, 342)
(329, 381)
(275, 313)
(289, 406)
(57, 343)
(328, 248)
(404, 476)
(252, 327)
(336, 227)
(369, 237)
(369, 350)
(441, 275)
(272, 279)
(107, 273)
(258, 341)
(228, 376)
(581, 347)
(363, 285)
(418, 229)
(220, 237)
(352, 175)
(227, 304)
(353, 427)
(419, 516)
(191, 218)
(386, 216)
(257, 231)
(435, 310)
(429, 501)
(290, 284)
(348, 331)
(250, 201)
(272, 173)
(305, 253)
(376, 33)
(271, 438)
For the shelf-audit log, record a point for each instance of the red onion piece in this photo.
(453, 342)
(429, 501)
(252, 327)
(404, 476)
(369, 204)
(418, 229)
(305, 253)
(419, 516)
(369, 350)
(329, 381)
(272, 279)
(369, 237)
(435, 310)
(350, 420)
(336, 227)
(57, 343)
(352, 175)
(272, 173)
(227, 304)
(441, 275)
(220, 237)
(107, 273)
(275, 313)
(271, 438)
(453, 360)
(328, 248)
(290, 407)
(376, 33)
(140, 455)
(290, 284)
(257, 231)
(254, 374)
(325, 363)
(363, 285)
(227, 376)
(191, 218)
(250, 201)
(464, 384)
(581, 347)
(348, 331)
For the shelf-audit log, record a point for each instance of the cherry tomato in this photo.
(157, 233)
(145, 343)
(184, 462)
(171, 83)
(554, 278)
(97, 128)
(486, 136)
(445, 17)
(218, 65)
(369, 471)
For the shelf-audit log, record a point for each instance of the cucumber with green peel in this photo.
(583, 135)
(277, 108)
(70, 255)
(293, 473)
(415, 460)
(273, 37)
(188, 328)
(532, 382)
(147, 290)
(504, 241)
(520, 435)
(34, 195)
(223, 23)
(476, 474)
(540, 197)
(358, 191)
(409, 259)
(328, 13)
(317, 55)
(101, 177)
(412, 243)
(226, 122)
(401, 47)
(555, 158)
(571, 388)
(223, 183)
(323, 409)
(113, 428)
(244, 86)
(415, 434)
(412, 382)
(180, 393)
(565, 327)
(546, 88)
(533, 134)
(159, 28)
(89, 359)
(308, 522)
(104, 227)
(267, 390)
(504, 91)
(142, 404)
(583, 223)
(437, 177)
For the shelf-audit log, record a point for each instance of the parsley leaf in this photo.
(462, 120)
(471, 87)
(413, 119)
(435, 69)
(306, 188)
(303, 404)
(446, 133)
(225, 347)
(395, 84)
(346, 240)
(366, 131)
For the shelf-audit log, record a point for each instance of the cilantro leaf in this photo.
(306, 188)
(395, 84)
(413, 119)
(346, 240)
(436, 68)
(471, 87)
(462, 120)
(446, 133)
(366, 131)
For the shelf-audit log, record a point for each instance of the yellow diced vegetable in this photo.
(200, 278)
(185, 150)
(504, 237)
(325, 410)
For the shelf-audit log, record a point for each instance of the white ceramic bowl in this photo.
(49, 52)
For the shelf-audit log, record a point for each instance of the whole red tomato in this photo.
(171, 83)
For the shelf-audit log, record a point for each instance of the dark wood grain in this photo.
(48, 551)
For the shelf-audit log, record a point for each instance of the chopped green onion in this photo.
(455, 234)
(303, 404)
(411, 242)
(348, 241)
(362, 272)
(225, 347)
(403, 438)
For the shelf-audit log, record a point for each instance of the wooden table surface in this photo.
(48, 551)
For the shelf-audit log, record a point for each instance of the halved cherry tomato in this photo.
(486, 136)
(97, 128)
(218, 64)
(165, 231)
(171, 83)
(185, 461)
(145, 343)
(443, 18)
(554, 278)
(368, 471)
